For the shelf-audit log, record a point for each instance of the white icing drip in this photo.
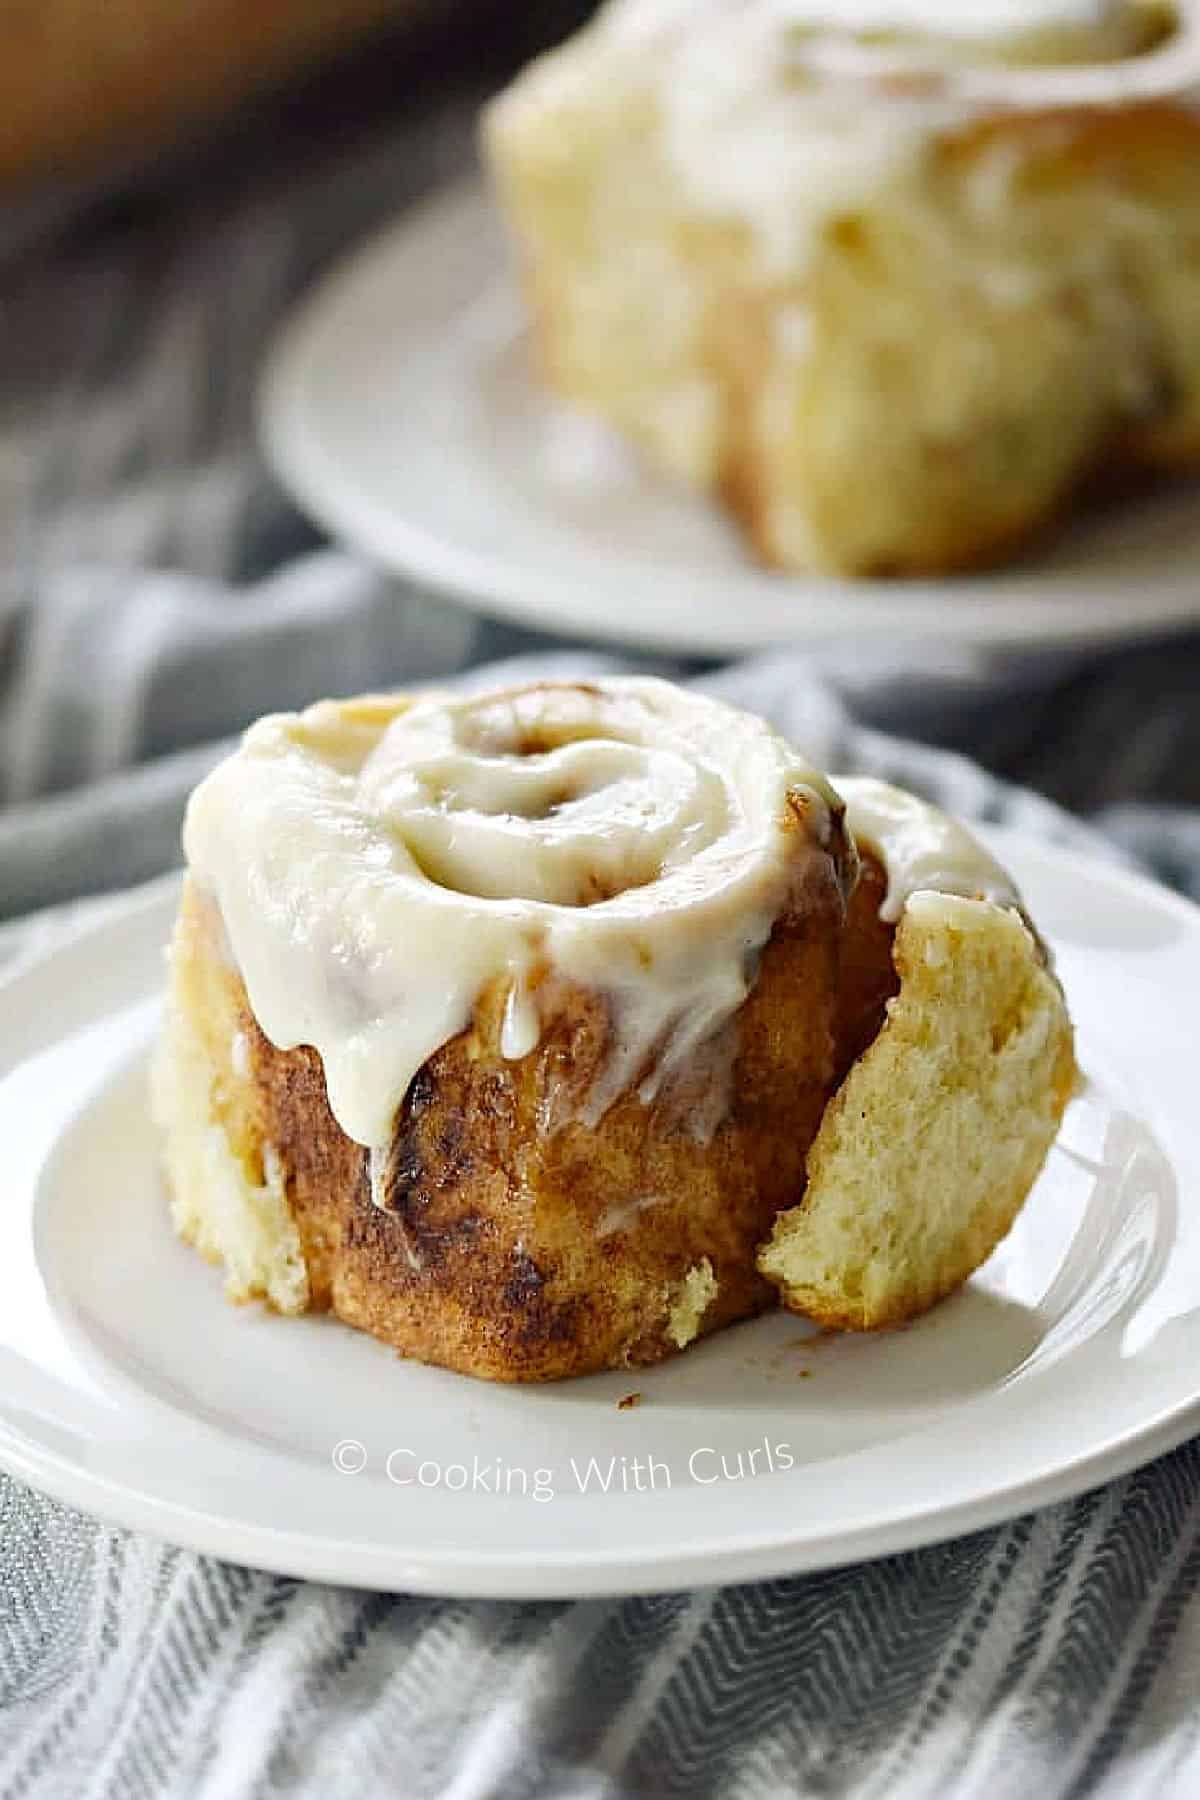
(521, 1027)
(921, 848)
(746, 143)
(239, 1055)
(377, 1168)
(378, 865)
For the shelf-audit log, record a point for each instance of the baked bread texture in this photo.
(494, 1248)
(897, 301)
(848, 1114)
(929, 1147)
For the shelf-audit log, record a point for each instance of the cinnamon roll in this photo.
(898, 283)
(512, 1027)
(502, 1025)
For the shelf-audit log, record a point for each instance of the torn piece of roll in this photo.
(956, 1060)
(507, 1026)
(501, 1025)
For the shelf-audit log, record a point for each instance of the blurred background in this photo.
(175, 173)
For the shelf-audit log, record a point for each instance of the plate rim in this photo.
(993, 610)
(562, 1573)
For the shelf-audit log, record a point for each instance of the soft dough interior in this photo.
(928, 1149)
(228, 1185)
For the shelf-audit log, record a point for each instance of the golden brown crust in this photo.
(513, 1252)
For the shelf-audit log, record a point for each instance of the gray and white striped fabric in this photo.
(155, 592)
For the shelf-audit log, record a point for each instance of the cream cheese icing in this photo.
(978, 20)
(921, 848)
(756, 122)
(379, 864)
(989, 19)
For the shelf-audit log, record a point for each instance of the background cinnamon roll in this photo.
(507, 1027)
(897, 282)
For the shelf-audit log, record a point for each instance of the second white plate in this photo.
(401, 409)
(128, 1386)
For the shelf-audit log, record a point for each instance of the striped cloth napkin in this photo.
(155, 593)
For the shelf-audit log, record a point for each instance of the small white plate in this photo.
(401, 409)
(130, 1388)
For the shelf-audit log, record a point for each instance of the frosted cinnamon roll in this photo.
(502, 1025)
(545, 1031)
(896, 282)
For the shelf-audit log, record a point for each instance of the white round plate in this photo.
(401, 409)
(130, 1388)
